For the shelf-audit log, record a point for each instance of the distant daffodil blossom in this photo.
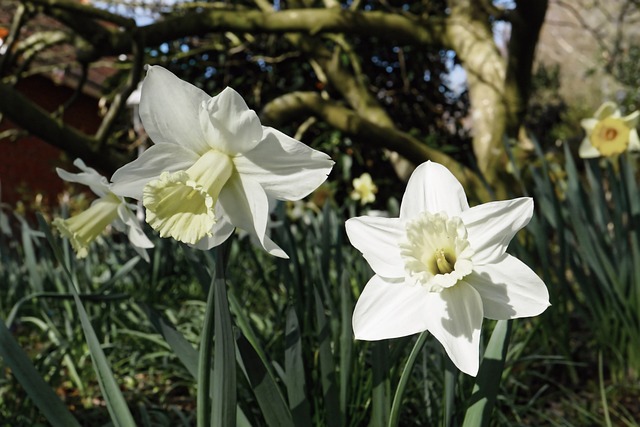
(608, 133)
(364, 189)
(442, 267)
(108, 209)
(213, 165)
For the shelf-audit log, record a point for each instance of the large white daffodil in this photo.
(608, 133)
(213, 165)
(442, 266)
(84, 228)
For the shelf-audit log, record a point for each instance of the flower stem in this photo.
(204, 362)
(404, 379)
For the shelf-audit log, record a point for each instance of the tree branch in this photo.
(22, 112)
(299, 104)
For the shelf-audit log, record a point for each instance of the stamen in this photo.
(610, 136)
(436, 251)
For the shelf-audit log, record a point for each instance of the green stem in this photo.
(404, 379)
(204, 363)
(224, 402)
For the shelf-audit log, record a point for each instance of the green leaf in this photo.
(295, 371)
(270, 399)
(380, 395)
(38, 390)
(327, 365)
(116, 405)
(223, 405)
(257, 369)
(487, 385)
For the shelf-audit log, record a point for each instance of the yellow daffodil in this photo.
(608, 133)
(442, 267)
(364, 189)
(108, 209)
(213, 165)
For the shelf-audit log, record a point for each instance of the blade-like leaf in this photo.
(294, 371)
(116, 405)
(38, 390)
(223, 405)
(487, 383)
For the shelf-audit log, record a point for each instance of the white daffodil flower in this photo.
(442, 266)
(364, 189)
(84, 228)
(213, 165)
(608, 133)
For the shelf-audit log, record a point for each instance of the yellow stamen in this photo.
(610, 136)
(442, 264)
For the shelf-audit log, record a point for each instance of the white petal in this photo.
(632, 119)
(228, 123)
(634, 141)
(509, 289)
(589, 124)
(170, 110)
(220, 232)
(247, 207)
(432, 188)
(389, 309)
(89, 177)
(607, 109)
(377, 238)
(455, 319)
(286, 168)
(131, 178)
(491, 226)
(587, 150)
(138, 239)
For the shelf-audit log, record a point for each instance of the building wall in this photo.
(27, 165)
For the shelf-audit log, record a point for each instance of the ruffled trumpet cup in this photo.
(108, 209)
(442, 266)
(213, 165)
(608, 133)
(84, 228)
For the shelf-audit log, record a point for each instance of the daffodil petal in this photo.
(607, 109)
(247, 207)
(131, 178)
(220, 232)
(634, 141)
(587, 150)
(491, 226)
(390, 309)
(509, 289)
(377, 238)
(138, 239)
(279, 160)
(228, 123)
(589, 124)
(455, 319)
(89, 177)
(170, 108)
(432, 188)
(632, 119)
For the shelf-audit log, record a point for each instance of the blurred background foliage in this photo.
(576, 365)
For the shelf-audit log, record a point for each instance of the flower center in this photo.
(436, 251)
(610, 136)
(181, 204)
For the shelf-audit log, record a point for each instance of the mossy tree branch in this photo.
(301, 104)
(24, 113)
